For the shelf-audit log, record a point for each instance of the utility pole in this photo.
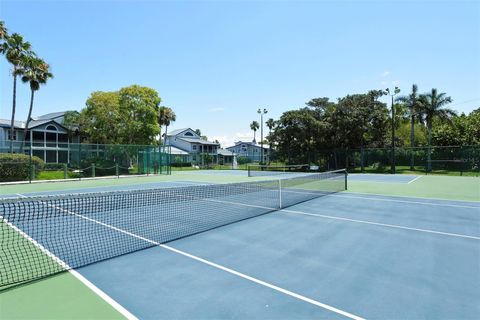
(261, 113)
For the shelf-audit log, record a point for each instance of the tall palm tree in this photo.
(270, 125)
(254, 126)
(411, 101)
(16, 50)
(36, 72)
(3, 30)
(432, 105)
(166, 117)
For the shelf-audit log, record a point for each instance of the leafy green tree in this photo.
(71, 121)
(36, 72)
(199, 132)
(433, 106)
(101, 120)
(139, 108)
(254, 126)
(16, 50)
(462, 131)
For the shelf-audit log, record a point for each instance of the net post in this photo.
(346, 183)
(93, 170)
(65, 171)
(117, 171)
(280, 193)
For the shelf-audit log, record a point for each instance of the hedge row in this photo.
(16, 167)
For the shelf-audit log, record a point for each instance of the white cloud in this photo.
(396, 82)
(383, 83)
(385, 73)
(217, 109)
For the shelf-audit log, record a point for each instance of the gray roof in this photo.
(177, 151)
(199, 141)
(177, 131)
(35, 122)
(51, 115)
(16, 124)
(265, 146)
(224, 152)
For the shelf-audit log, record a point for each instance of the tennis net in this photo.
(42, 236)
(259, 170)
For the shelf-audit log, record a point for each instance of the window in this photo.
(51, 127)
(10, 135)
(189, 134)
(194, 147)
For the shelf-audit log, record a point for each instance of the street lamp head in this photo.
(259, 111)
(265, 111)
(397, 90)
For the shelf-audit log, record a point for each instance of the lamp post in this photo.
(261, 113)
(392, 94)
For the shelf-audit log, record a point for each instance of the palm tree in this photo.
(432, 105)
(411, 101)
(3, 30)
(36, 72)
(166, 117)
(16, 50)
(254, 126)
(270, 124)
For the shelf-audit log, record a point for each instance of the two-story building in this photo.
(187, 140)
(46, 137)
(250, 150)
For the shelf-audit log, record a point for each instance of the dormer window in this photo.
(188, 134)
(51, 128)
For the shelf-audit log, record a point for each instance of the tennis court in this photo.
(310, 251)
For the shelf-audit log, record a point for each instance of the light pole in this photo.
(392, 94)
(261, 113)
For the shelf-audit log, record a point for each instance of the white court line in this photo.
(411, 197)
(382, 224)
(231, 271)
(418, 177)
(457, 235)
(347, 195)
(65, 266)
(265, 284)
(406, 201)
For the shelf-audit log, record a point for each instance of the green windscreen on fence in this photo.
(80, 160)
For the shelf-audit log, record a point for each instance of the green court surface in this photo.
(436, 187)
(64, 297)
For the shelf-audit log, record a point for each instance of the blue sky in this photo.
(216, 62)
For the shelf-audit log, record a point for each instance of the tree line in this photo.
(362, 121)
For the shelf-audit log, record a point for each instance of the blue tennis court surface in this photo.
(343, 255)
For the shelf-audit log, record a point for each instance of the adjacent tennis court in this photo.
(289, 247)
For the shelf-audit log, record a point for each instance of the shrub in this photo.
(16, 167)
(243, 160)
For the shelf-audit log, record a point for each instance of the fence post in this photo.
(93, 170)
(346, 174)
(117, 171)
(32, 172)
(280, 193)
(362, 165)
(65, 171)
